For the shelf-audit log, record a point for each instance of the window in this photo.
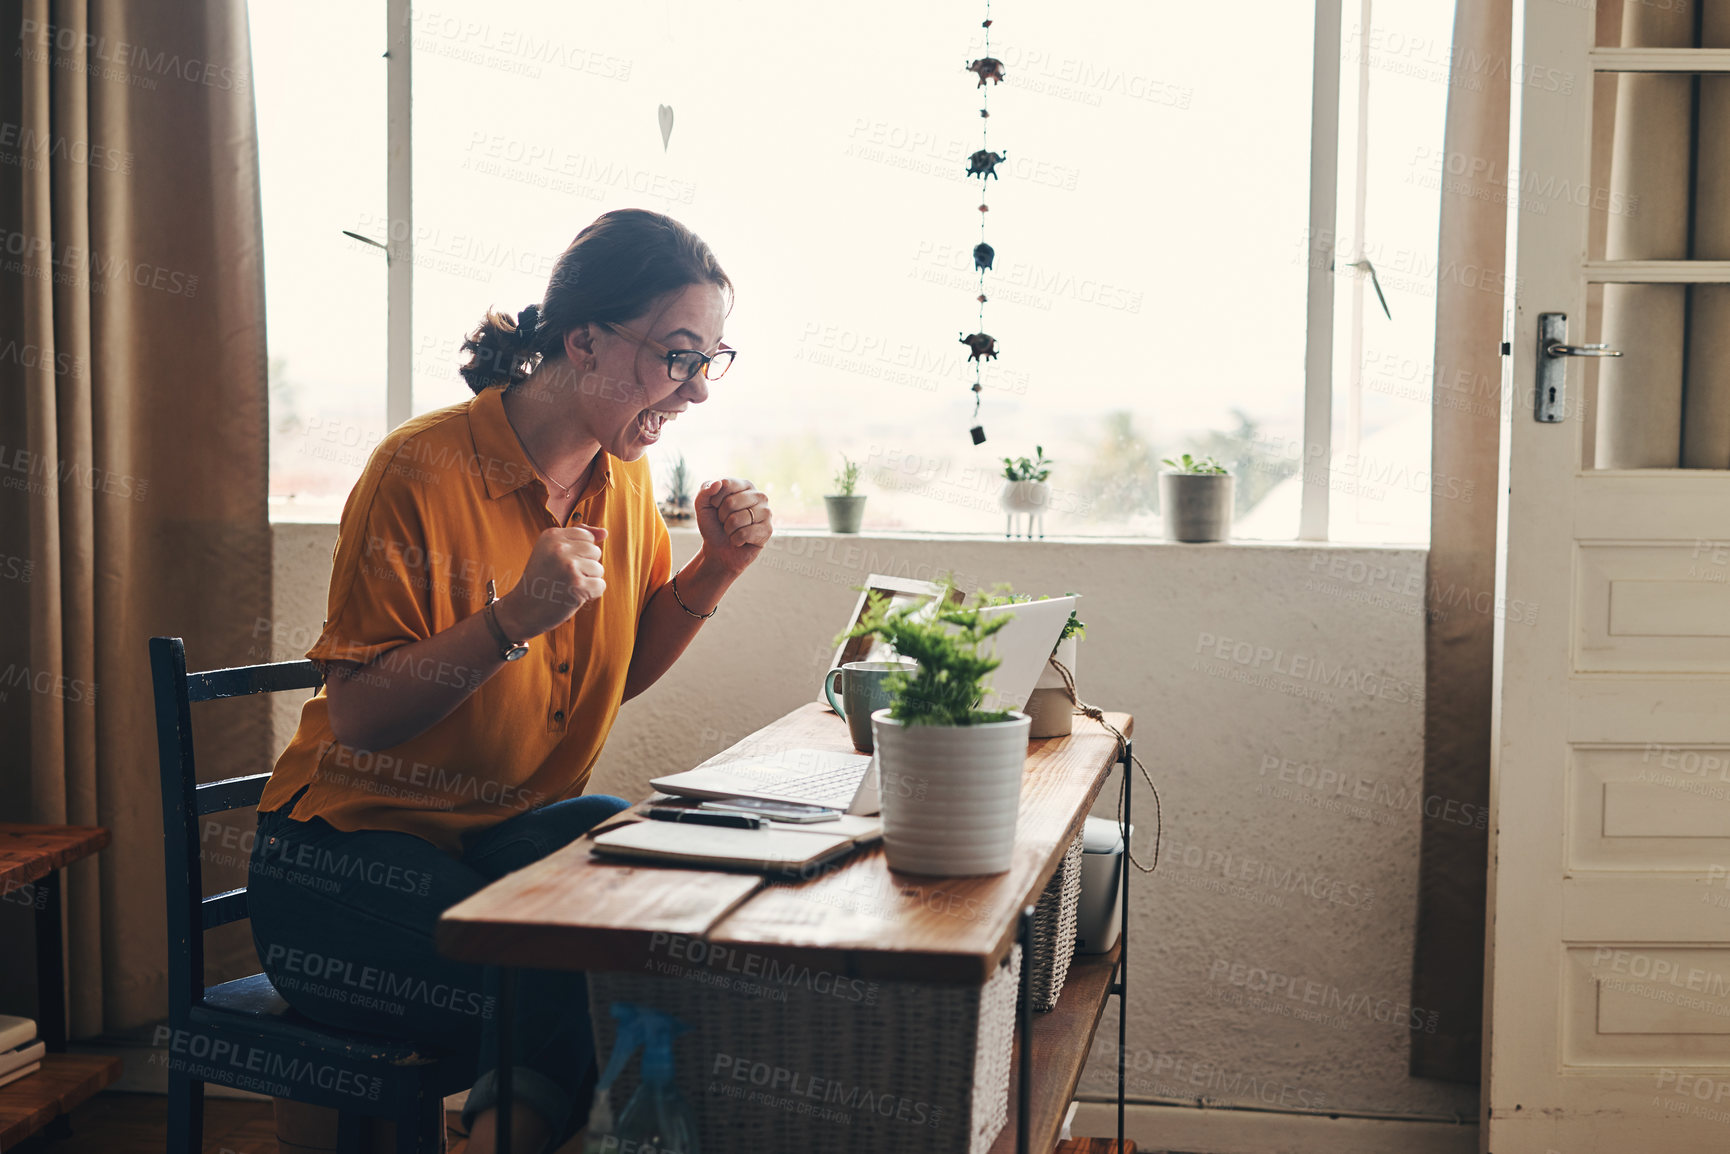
(321, 127)
(1397, 66)
(1150, 286)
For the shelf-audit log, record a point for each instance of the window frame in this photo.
(399, 210)
(1320, 241)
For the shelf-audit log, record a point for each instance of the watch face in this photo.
(515, 652)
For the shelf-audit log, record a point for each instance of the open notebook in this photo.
(774, 849)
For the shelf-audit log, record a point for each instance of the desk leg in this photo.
(1123, 941)
(506, 1057)
(1024, 1027)
(50, 965)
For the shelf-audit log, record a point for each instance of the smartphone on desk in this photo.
(787, 811)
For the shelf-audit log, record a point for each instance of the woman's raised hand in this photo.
(733, 517)
(562, 575)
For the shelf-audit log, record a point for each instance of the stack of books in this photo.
(20, 1052)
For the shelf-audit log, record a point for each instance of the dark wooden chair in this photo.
(242, 1033)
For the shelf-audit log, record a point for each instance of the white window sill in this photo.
(309, 516)
(814, 533)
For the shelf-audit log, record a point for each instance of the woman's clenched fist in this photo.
(735, 522)
(562, 575)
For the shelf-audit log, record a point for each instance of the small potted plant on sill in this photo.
(1195, 499)
(950, 772)
(1024, 491)
(1049, 706)
(676, 509)
(846, 506)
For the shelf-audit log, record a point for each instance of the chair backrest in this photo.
(184, 801)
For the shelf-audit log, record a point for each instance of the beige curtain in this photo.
(132, 439)
(1448, 968)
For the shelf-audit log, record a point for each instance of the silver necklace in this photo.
(566, 489)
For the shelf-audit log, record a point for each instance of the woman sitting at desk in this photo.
(456, 731)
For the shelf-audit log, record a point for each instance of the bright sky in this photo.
(1149, 225)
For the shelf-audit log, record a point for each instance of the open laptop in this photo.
(848, 781)
(844, 781)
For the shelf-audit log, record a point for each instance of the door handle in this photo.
(1551, 395)
(1557, 349)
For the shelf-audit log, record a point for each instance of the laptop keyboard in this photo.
(829, 784)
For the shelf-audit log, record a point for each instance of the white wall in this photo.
(1290, 769)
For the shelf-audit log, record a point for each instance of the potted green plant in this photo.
(677, 509)
(846, 505)
(950, 772)
(1195, 499)
(1024, 490)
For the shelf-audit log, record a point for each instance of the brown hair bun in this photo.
(501, 350)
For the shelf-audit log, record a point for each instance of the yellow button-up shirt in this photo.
(448, 502)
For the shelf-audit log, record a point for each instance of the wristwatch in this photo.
(508, 650)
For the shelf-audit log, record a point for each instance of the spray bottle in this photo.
(602, 1135)
(658, 1117)
(657, 1120)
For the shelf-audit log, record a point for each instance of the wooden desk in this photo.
(42, 1101)
(856, 919)
(31, 857)
(30, 852)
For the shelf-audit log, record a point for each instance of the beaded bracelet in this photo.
(699, 616)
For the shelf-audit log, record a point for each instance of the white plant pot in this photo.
(951, 794)
(1024, 496)
(1049, 706)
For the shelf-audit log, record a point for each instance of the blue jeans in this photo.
(344, 925)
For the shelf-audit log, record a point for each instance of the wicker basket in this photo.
(791, 1059)
(1054, 929)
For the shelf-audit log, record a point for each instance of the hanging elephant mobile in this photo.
(983, 164)
(981, 345)
(986, 67)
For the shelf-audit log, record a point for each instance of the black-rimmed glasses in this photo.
(682, 364)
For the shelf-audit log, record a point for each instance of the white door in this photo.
(1608, 986)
